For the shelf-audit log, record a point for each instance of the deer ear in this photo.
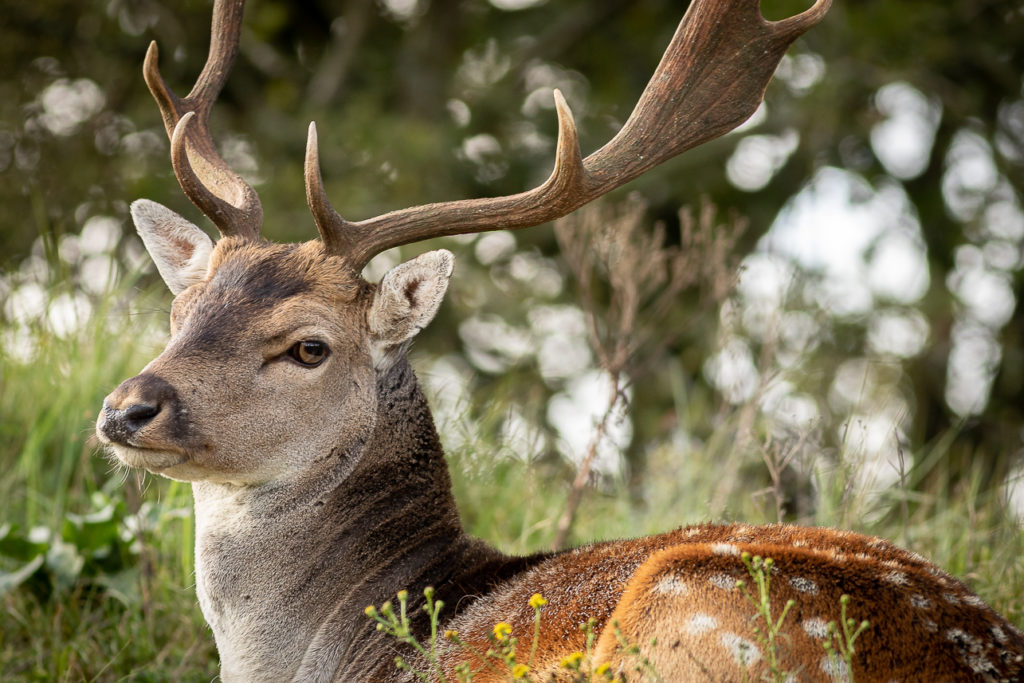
(408, 298)
(180, 250)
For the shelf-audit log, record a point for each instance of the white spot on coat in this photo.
(971, 649)
(671, 585)
(835, 668)
(723, 581)
(896, 578)
(701, 623)
(804, 585)
(744, 652)
(974, 601)
(815, 627)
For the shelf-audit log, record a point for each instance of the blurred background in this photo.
(866, 368)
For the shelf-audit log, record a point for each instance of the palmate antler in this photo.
(711, 78)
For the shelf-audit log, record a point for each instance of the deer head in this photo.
(273, 354)
(271, 344)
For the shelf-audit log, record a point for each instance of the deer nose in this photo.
(119, 426)
(137, 416)
(132, 406)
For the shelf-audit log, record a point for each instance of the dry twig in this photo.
(629, 279)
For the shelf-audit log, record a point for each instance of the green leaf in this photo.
(11, 580)
(123, 586)
(92, 532)
(16, 546)
(64, 563)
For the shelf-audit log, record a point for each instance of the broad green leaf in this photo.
(11, 580)
(65, 564)
(123, 586)
(15, 545)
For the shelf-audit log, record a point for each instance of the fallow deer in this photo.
(284, 395)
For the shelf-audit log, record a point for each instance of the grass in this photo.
(125, 609)
(134, 616)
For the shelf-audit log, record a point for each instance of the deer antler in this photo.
(207, 180)
(711, 78)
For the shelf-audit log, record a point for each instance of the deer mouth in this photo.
(156, 460)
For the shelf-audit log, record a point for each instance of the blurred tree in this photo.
(424, 100)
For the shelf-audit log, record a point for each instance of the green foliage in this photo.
(95, 547)
(95, 565)
(840, 642)
(767, 628)
(398, 625)
(632, 654)
(101, 596)
(503, 656)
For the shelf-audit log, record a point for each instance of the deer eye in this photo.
(308, 353)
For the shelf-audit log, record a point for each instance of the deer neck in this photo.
(283, 564)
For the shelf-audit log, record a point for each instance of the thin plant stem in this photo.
(572, 504)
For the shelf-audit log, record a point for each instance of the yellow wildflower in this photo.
(502, 630)
(572, 661)
(537, 601)
(370, 610)
(603, 669)
(451, 634)
(520, 671)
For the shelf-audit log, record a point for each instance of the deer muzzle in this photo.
(144, 414)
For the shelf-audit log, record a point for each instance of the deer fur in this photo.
(286, 398)
(321, 490)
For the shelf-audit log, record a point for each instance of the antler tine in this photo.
(558, 193)
(336, 233)
(711, 78)
(204, 176)
(808, 18)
